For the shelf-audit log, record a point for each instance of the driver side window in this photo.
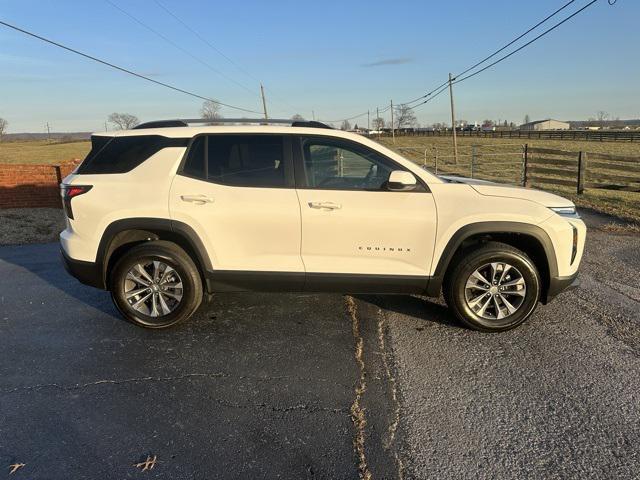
(333, 164)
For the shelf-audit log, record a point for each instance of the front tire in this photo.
(156, 285)
(493, 287)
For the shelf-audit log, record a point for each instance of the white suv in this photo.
(165, 213)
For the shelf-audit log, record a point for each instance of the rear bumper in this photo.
(88, 273)
(557, 285)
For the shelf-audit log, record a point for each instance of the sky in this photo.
(327, 59)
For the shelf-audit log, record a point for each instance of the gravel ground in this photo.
(19, 226)
(558, 397)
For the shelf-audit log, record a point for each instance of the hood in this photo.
(492, 189)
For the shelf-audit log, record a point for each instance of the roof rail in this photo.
(185, 122)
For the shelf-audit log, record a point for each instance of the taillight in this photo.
(71, 191)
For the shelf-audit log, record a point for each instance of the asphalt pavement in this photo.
(319, 386)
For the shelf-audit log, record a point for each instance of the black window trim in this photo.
(287, 146)
(301, 179)
(170, 142)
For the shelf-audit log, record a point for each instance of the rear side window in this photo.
(238, 160)
(123, 154)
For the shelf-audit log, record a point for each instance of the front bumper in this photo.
(557, 285)
(88, 273)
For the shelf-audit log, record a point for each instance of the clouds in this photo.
(388, 61)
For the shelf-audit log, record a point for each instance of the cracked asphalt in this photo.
(319, 386)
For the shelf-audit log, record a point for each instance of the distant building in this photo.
(548, 124)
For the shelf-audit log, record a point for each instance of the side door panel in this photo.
(245, 230)
(363, 235)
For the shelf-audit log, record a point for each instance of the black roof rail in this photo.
(161, 124)
(185, 122)
(310, 124)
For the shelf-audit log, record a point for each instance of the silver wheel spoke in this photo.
(504, 273)
(484, 307)
(520, 293)
(499, 313)
(133, 293)
(141, 301)
(510, 307)
(494, 272)
(479, 286)
(143, 273)
(479, 276)
(165, 275)
(173, 295)
(512, 283)
(137, 279)
(163, 304)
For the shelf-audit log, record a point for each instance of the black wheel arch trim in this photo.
(175, 228)
(498, 227)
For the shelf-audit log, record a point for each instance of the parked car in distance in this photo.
(166, 214)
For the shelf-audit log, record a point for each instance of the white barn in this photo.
(548, 124)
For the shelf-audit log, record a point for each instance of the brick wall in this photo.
(29, 185)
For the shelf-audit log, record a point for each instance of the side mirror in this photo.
(401, 181)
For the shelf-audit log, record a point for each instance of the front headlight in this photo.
(566, 211)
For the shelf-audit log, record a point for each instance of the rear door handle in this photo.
(325, 205)
(197, 199)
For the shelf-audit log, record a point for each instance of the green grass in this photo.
(504, 164)
(39, 151)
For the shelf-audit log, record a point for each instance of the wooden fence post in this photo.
(525, 164)
(582, 167)
(473, 159)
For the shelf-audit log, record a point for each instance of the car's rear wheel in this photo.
(492, 288)
(156, 285)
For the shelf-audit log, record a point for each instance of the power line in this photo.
(219, 52)
(183, 50)
(526, 44)
(443, 86)
(122, 69)
(501, 49)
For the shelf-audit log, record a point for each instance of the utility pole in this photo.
(48, 133)
(393, 129)
(378, 127)
(453, 122)
(368, 123)
(264, 103)
(313, 115)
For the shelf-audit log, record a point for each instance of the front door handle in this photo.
(197, 199)
(325, 205)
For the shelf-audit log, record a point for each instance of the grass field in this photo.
(506, 167)
(38, 151)
(503, 166)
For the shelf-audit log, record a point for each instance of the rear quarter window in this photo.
(123, 154)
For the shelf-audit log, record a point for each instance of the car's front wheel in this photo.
(492, 288)
(156, 285)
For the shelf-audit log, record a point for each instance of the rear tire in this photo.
(156, 285)
(493, 287)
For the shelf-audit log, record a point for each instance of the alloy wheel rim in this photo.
(495, 291)
(153, 288)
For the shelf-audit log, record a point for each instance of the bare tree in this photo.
(123, 121)
(377, 123)
(3, 127)
(404, 116)
(602, 117)
(527, 119)
(210, 110)
(345, 125)
(297, 118)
